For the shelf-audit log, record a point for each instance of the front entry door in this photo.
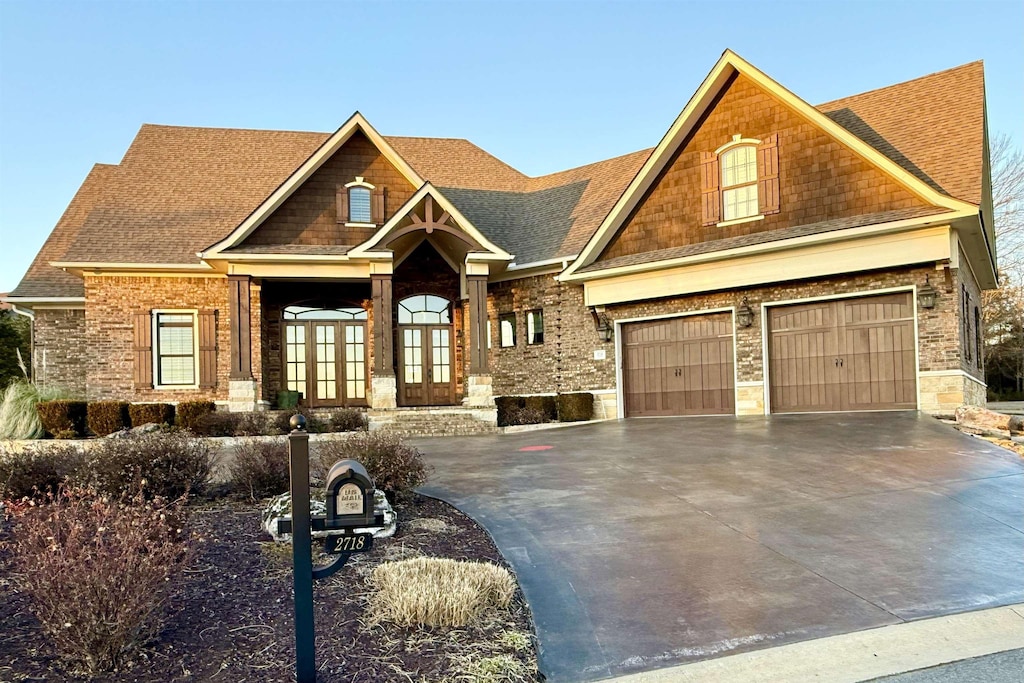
(325, 360)
(426, 377)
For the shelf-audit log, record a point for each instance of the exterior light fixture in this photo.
(744, 314)
(927, 294)
(603, 324)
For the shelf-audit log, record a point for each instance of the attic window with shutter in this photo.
(740, 181)
(360, 204)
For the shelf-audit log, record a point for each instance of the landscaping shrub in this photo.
(575, 407)
(151, 413)
(19, 418)
(252, 423)
(396, 469)
(60, 417)
(189, 413)
(315, 422)
(260, 468)
(279, 421)
(438, 592)
(525, 416)
(99, 571)
(547, 405)
(217, 423)
(34, 473)
(164, 464)
(506, 404)
(107, 417)
(347, 420)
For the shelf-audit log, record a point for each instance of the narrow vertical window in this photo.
(175, 349)
(359, 205)
(507, 329)
(535, 327)
(739, 183)
(977, 337)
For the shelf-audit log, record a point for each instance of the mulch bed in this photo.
(232, 619)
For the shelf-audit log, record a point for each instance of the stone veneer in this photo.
(59, 349)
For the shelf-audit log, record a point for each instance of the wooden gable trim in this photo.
(690, 119)
(355, 124)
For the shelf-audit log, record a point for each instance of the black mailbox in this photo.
(349, 496)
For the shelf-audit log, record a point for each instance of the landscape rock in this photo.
(141, 429)
(280, 508)
(975, 417)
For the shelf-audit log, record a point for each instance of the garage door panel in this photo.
(857, 356)
(679, 366)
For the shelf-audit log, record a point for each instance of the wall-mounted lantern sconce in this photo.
(603, 324)
(927, 294)
(744, 314)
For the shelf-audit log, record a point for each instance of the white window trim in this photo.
(737, 141)
(736, 221)
(154, 316)
(360, 181)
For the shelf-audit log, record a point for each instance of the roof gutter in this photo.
(25, 312)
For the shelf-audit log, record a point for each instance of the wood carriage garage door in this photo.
(847, 354)
(679, 366)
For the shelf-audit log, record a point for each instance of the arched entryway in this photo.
(426, 352)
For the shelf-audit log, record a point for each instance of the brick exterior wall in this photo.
(565, 361)
(58, 349)
(109, 334)
(819, 179)
(310, 215)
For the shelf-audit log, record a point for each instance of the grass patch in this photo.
(492, 669)
(438, 592)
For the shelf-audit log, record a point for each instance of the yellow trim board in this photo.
(352, 271)
(817, 260)
(729, 64)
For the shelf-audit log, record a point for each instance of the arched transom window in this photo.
(739, 182)
(312, 313)
(424, 309)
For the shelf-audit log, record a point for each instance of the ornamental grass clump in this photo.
(99, 572)
(437, 591)
(162, 464)
(19, 418)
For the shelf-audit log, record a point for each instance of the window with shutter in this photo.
(768, 174)
(739, 183)
(360, 203)
(142, 350)
(710, 199)
(175, 348)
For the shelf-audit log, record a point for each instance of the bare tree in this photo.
(1007, 161)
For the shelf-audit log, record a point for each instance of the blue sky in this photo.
(543, 85)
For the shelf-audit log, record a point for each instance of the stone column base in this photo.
(243, 396)
(750, 398)
(384, 393)
(479, 392)
(943, 391)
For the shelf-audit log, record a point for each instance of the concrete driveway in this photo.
(651, 542)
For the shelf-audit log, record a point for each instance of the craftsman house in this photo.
(766, 256)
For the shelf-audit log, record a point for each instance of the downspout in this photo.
(28, 313)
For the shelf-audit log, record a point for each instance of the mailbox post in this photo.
(350, 505)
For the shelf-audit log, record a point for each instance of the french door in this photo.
(426, 376)
(325, 361)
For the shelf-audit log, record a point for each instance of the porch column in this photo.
(241, 385)
(383, 387)
(479, 391)
(238, 322)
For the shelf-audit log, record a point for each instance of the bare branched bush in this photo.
(35, 473)
(99, 571)
(260, 468)
(167, 464)
(438, 592)
(395, 467)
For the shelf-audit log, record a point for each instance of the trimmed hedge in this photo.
(546, 405)
(107, 417)
(190, 414)
(508, 407)
(63, 419)
(575, 407)
(151, 413)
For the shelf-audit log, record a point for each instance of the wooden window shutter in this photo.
(768, 174)
(342, 204)
(710, 181)
(377, 206)
(142, 350)
(207, 349)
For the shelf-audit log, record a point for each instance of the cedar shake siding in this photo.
(310, 216)
(819, 179)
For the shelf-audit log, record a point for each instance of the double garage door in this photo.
(847, 354)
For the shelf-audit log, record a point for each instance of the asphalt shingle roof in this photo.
(180, 189)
